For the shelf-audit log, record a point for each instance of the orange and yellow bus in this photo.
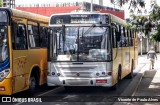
(90, 49)
(23, 50)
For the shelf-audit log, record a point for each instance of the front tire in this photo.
(32, 84)
(115, 87)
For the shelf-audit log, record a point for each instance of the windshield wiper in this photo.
(89, 29)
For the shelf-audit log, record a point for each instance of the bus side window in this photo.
(34, 38)
(131, 37)
(128, 38)
(43, 36)
(125, 37)
(114, 41)
(20, 39)
(13, 30)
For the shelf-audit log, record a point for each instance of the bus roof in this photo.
(27, 15)
(113, 17)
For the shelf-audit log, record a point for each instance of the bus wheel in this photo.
(118, 79)
(32, 84)
(130, 76)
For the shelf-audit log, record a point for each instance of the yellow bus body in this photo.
(124, 55)
(26, 61)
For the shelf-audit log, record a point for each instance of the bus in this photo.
(90, 49)
(23, 51)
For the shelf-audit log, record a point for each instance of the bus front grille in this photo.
(77, 74)
(77, 82)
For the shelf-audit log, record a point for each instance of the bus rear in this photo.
(80, 50)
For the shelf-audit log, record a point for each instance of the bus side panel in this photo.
(23, 65)
(20, 68)
(43, 66)
(38, 58)
(126, 61)
(117, 60)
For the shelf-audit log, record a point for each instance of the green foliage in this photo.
(154, 16)
(156, 37)
(141, 23)
(1, 3)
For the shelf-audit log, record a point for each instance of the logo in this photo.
(6, 99)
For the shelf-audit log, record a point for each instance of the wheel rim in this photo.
(32, 83)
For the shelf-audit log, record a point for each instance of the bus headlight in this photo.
(103, 73)
(97, 74)
(3, 74)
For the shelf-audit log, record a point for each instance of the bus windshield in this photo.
(3, 43)
(3, 16)
(91, 43)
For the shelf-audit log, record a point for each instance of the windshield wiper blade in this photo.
(89, 29)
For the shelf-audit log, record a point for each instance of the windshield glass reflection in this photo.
(82, 44)
(3, 43)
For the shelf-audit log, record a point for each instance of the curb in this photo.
(131, 89)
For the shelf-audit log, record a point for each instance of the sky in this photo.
(105, 2)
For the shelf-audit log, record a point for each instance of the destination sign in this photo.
(79, 19)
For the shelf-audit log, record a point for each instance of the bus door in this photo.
(20, 53)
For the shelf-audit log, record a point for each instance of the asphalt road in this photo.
(76, 95)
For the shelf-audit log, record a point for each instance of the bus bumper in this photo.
(6, 87)
(70, 81)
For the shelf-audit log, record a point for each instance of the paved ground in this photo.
(147, 91)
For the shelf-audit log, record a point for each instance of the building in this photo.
(8, 3)
(53, 8)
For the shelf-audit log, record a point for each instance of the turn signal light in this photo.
(6, 70)
(109, 73)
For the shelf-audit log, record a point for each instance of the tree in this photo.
(1, 3)
(148, 23)
(155, 17)
(133, 4)
(141, 23)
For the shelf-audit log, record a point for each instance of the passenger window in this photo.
(34, 39)
(21, 40)
(114, 41)
(43, 36)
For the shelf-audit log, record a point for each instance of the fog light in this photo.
(103, 73)
(97, 74)
(58, 74)
(53, 73)
(49, 74)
